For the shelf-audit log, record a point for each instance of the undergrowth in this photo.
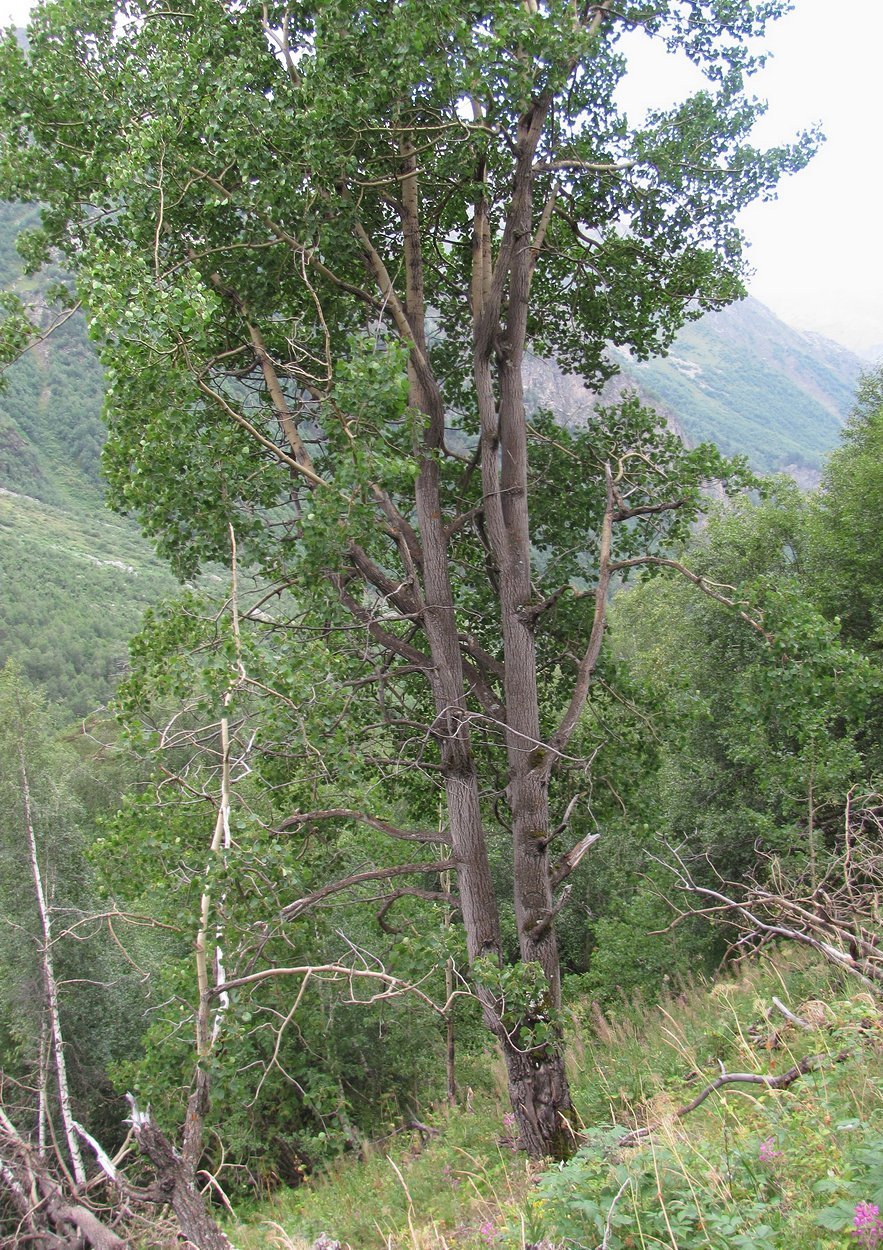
(789, 1169)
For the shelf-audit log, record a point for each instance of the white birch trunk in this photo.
(49, 982)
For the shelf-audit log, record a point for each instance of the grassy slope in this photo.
(749, 1168)
(75, 583)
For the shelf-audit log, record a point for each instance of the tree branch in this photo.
(345, 813)
(704, 585)
(336, 972)
(562, 735)
(570, 861)
(312, 477)
(386, 639)
(808, 1064)
(292, 910)
(412, 891)
(544, 923)
(625, 514)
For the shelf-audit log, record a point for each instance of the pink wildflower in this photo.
(867, 1227)
(768, 1152)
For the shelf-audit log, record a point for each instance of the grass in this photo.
(449, 1191)
(751, 1167)
(75, 586)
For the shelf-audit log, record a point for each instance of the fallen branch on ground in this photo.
(808, 1064)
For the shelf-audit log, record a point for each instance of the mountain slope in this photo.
(74, 584)
(750, 383)
(74, 579)
(50, 402)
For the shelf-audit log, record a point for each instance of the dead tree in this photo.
(836, 914)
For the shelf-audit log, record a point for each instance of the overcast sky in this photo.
(818, 249)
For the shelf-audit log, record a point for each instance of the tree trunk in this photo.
(537, 1081)
(176, 1185)
(50, 984)
(540, 1098)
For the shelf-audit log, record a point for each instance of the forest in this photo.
(482, 845)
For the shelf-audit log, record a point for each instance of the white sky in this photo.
(817, 250)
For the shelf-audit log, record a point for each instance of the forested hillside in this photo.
(75, 579)
(754, 386)
(50, 406)
(495, 801)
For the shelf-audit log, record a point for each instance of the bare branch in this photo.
(394, 986)
(41, 338)
(707, 587)
(570, 862)
(256, 434)
(594, 167)
(838, 916)
(411, 891)
(299, 906)
(346, 813)
(808, 1064)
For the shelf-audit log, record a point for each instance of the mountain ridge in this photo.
(743, 378)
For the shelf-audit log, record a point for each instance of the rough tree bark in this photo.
(176, 1184)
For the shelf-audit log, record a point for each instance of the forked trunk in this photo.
(176, 1185)
(537, 1082)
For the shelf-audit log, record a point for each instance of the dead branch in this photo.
(412, 891)
(301, 905)
(47, 1214)
(394, 987)
(570, 861)
(836, 915)
(808, 1064)
(175, 1183)
(707, 587)
(345, 813)
(790, 1016)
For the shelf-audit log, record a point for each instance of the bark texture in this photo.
(176, 1184)
(540, 1099)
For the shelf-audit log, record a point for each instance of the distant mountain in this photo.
(743, 379)
(740, 378)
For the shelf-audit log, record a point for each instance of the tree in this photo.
(845, 541)
(773, 749)
(34, 813)
(316, 242)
